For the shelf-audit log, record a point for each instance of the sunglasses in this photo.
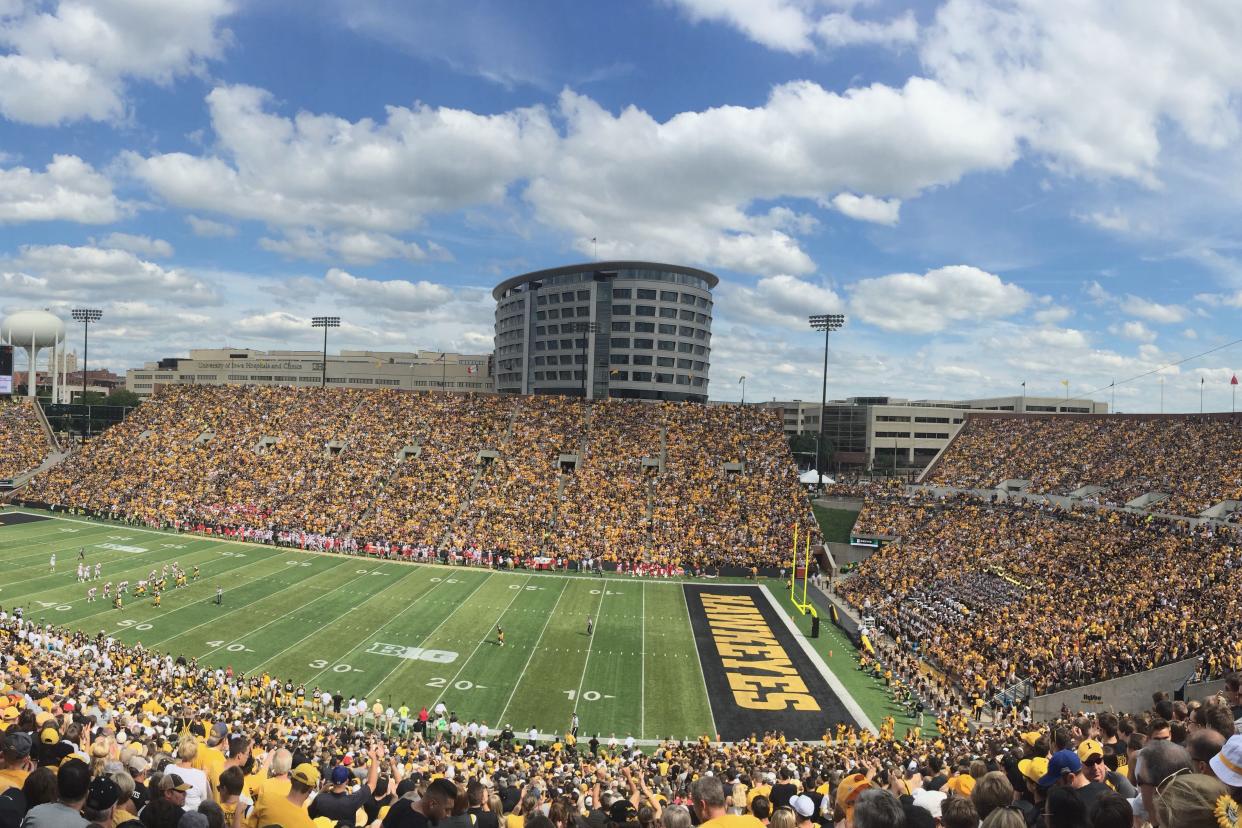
(1095, 760)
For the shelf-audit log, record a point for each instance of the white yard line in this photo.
(120, 557)
(852, 706)
(314, 631)
(642, 670)
(533, 650)
(401, 662)
(487, 635)
(590, 644)
(251, 632)
(374, 632)
(694, 644)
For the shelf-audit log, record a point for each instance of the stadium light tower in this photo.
(586, 329)
(325, 322)
(86, 316)
(826, 322)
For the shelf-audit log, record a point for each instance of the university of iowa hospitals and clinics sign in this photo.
(758, 677)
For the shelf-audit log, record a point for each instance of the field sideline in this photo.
(405, 633)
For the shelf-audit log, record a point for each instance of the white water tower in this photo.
(32, 331)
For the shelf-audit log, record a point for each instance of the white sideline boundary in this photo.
(847, 699)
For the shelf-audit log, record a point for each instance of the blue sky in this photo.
(991, 192)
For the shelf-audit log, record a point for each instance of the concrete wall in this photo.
(844, 553)
(1120, 695)
(1204, 690)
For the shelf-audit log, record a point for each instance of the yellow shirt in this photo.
(275, 788)
(210, 761)
(280, 811)
(515, 821)
(12, 778)
(733, 821)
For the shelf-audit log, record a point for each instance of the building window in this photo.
(620, 293)
(584, 296)
(930, 435)
(618, 359)
(665, 362)
(620, 326)
(554, 298)
(644, 343)
(682, 379)
(646, 293)
(642, 376)
(685, 364)
(686, 331)
(567, 296)
(620, 310)
(891, 418)
(685, 348)
(584, 310)
(892, 434)
(645, 310)
(642, 359)
(668, 313)
(931, 419)
(665, 378)
(644, 327)
(687, 299)
(668, 296)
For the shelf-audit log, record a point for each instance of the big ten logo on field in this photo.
(412, 653)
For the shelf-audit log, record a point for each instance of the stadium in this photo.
(417, 415)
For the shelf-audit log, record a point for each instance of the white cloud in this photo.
(141, 245)
(843, 29)
(1133, 329)
(209, 229)
(1190, 333)
(1113, 219)
(793, 25)
(68, 189)
(351, 247)
(681, 189)
(1152, 311)
(322, 171)
(63, 272)
(1233, 300)
(1052, 315)
(868, 208)
(1137, 305)
(780, 300)
(397, 295)
(69, 59)
(1063, 72)
(936, 300)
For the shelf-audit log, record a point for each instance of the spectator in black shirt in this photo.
(481, 816)
(435, 805)
(338, 803)
(784, 790)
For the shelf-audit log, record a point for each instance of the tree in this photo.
(123, 397)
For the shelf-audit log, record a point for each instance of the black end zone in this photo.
(758, 677)
(15, 518)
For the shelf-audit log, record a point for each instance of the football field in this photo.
(656, 666)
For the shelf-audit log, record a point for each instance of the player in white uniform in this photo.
(98, 571)
(52, 562)
(90, 594)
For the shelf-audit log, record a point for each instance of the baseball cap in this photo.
(849, 789)
(1063, 761)
(1033, 769)
(962, 784)
(307, 774)
(138, 764)
(17, 743)
(1088, 748)
(49, 736)
(102, 794)
(1227, 765)
(11, 713)
(803, 805)
(1031, 737)
(1190, 801)
(173, 782)
(340, 775)
(140, 797)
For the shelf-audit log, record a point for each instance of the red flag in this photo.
(1234, 381)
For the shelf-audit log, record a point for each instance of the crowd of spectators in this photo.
(463, 474)
(1195, 459)
(994, 593)
(95, 733)
(23, 443)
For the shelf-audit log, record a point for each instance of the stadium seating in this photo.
(1195, 459)
(23, 443)
(135, 717)
(991, 593)
(461, 473)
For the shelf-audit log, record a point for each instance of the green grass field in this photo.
(359, 626)
(835, 524)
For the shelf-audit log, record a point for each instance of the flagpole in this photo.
(1200, 395)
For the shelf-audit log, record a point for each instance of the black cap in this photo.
(622, 811)
(102, 794)
(140, 797)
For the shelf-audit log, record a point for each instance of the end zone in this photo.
(760, 673)
(14, 518)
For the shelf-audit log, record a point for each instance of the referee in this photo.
(219, 596)
(590, 625)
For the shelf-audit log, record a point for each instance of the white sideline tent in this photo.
(811, 478)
